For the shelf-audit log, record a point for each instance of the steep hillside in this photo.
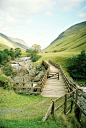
(19, 41)
(8, 42)
(73, 39)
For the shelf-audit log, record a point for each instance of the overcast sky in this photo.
(39, 21)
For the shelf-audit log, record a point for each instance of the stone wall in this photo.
(82, 98)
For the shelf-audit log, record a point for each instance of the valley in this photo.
(28, 110)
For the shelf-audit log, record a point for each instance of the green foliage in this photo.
(7, 70)
(7, 86)
(35, 58)
(17, 52)
(3, 78)
(55, 51)
(3, 81)
(3, 56)
(33, 55)
(11, 53)
(77, 66)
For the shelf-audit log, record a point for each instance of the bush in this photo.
(59, 50)
(55, 51)
(4, 62)
(35, 58)
(9, 58)
(7, 70)
(7, 86)
(77, 66)
(33, 55)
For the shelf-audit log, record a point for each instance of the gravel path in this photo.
(39, 108)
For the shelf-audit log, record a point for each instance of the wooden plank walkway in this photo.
(53, 86)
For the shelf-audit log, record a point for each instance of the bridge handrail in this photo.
(66, 108)
(45, 75)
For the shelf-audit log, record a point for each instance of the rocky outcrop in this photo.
(30, 74)
(39, 76)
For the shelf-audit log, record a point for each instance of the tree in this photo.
(77, 66)
(9, 58)
(17, 52)
(0, 57)
(4, 56)
(6, 51)
(7, 70)
(12, 53)
(33, 55)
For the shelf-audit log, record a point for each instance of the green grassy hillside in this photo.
(6, 42)
(71, 40)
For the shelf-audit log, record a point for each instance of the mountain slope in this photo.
(73, 39)
(18, 40)
(8, 42)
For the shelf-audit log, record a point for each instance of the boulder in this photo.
(39, 76)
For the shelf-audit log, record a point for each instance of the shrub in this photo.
(7, 70)
(35, 58)
(59, 50)
(4, 62)
(55, 51)
(77, 66)
(9, 58)
(7, 86)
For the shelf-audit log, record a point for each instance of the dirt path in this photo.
(53, 86)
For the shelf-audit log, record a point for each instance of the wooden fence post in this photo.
(72, 101)
(76, 95)
(65, 104)
(53, 109)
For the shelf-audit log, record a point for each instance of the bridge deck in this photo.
(54, 87)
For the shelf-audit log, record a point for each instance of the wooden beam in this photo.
(48, 112)
(59, 106)
(59, 98)
(19, 87)
(65, 104)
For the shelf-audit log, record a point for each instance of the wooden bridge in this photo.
(54, 86)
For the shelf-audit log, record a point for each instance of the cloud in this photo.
(82, 14)
(67, 5)
(29, 21)
(15, 11)
(26, 6)
(48, 13)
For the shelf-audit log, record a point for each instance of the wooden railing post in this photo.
(65, 104)
(53, 109)
(72, 101)
(76, 95)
